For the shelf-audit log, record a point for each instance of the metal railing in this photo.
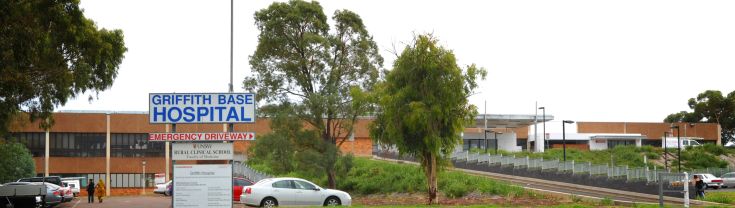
(243, 170)
(646, 174)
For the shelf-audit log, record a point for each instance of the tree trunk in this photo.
(431, 178)
(332, 179)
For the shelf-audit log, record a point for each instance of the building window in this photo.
(34, 141)
(63, 144)
(135, 145)
(612, 143)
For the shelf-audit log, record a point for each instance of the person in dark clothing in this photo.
(90, 191)
(699, 187)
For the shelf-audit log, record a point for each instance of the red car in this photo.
(237, 184)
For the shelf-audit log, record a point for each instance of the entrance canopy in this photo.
(509, 120)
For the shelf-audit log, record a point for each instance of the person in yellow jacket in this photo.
(99, 190)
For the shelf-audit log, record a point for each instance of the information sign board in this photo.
(203, 186)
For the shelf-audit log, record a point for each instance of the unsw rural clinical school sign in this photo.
(201, 108)
(201, 151)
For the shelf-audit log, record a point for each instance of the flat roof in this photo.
(510, 120)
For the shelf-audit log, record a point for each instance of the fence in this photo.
(571, 167)
(243, 170)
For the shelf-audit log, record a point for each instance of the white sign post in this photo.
(203, 186)
(201, 151)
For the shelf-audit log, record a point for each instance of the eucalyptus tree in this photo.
(303, 61)
(423, 105)
(50, 52)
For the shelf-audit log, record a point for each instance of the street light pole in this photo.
(564, 136)
(678, 143)
(543, 119)
(496, 141)
(485, 141)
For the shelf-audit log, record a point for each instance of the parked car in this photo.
(273, 192)
(161, 188)
(728, 180)
(53, 192)
(237, 186)
(710, 181)
(673, 142)
(66, 192)
(22, 194)
(75, 183)
(56, 180)
(169, 189)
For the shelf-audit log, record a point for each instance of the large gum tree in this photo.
(423, 105)
(302, 61)
(50, 52)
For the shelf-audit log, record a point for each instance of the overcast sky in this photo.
(583, 60)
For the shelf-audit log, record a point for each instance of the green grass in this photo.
(379, 177)
(693, 158)
(475, 206)
(721, 197)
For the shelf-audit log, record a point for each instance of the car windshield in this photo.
(694, 142)
(709, 176)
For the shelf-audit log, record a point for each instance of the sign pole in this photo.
(173, 163)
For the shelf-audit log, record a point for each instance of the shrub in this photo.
(576, 199)
(455, 190)
(17, 162)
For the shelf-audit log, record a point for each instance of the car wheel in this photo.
(332, 201)
(269, 202)
(706, 186)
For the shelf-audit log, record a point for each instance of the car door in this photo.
(308, 194)
(284, 192)
(729, 179)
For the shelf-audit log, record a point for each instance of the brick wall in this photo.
(59, 165)
(362, 146)
(708, 131)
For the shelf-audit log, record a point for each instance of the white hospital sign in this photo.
(202, 151)
(201, 108)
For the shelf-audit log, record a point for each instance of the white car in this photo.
(728, 180)
(161, 188)
(74, 184)
(273, 192)
(710, 181)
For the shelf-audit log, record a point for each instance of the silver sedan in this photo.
(273, 192)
